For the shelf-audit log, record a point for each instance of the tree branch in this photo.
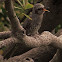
(15, 24)
(57, 57)
(5, 34)
(29, 42)
(8, 42)
(40, 54)
(44, 54)
(45, 39)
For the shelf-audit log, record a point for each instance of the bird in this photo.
(31, 27)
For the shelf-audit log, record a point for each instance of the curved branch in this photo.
(46, 38)
(5, 34)
(42, 54)
(29, 42)
(15, 24)
(57, 57)
(8, 42)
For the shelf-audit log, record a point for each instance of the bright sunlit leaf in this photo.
(23, 2)
(28, 6)
(20, 3)
(25, 5)
(17, 8)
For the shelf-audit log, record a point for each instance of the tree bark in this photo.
(43, 54)
(5, 34)
(58, 55)
(39, 55)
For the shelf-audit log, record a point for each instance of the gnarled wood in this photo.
(5, 34)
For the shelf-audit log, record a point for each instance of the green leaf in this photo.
(23, 2)
(30, 1)
(27, 16)
(20, 3)
(4, 11)
(28, 6)
(17, 8)
(57, 28)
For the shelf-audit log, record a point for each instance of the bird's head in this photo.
(39, 9)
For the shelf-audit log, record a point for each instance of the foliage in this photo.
(23, 6)
(21, 9)
(4, 23)
(57, 28)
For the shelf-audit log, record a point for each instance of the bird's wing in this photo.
(27, 23)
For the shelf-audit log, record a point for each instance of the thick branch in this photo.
(29, 42)
(57, 57)
(40, 55)
(45, 39)
(8, 42)
(5, 34)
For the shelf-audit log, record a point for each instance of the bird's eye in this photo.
(40, 9)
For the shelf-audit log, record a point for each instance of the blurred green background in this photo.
(21, 8)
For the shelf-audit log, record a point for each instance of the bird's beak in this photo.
(46, 10)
